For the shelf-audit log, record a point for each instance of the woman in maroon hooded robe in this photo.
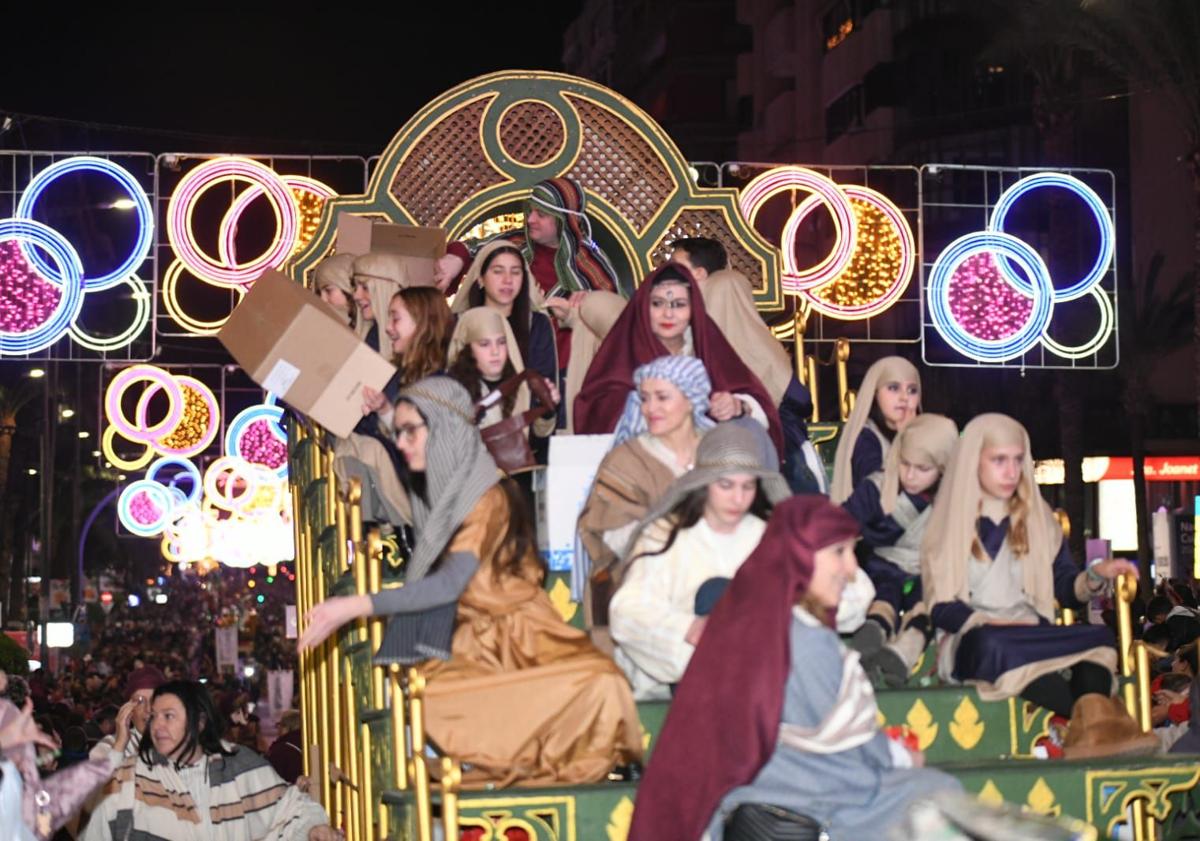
(795, 725)
(666, 315)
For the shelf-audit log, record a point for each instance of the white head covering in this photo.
(927, 440)
(730, 303)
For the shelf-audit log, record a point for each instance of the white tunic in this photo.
(655, 605)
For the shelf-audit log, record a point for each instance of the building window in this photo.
(845, 16)
(844, 113)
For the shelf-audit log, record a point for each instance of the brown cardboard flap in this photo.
(361, 235)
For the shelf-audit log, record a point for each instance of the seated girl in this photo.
(666, 316)
(690, 545)
(484, 354)
(774, 710)
(993, 561)
(892, 508)
(654, 445)
(889, 397)
(513, 691)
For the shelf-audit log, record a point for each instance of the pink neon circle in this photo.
(210, 432)
(769, 184)
(229, 222)
(117, 388)
(182, 203)
(142, 509)
(259, 445)
(907, 256)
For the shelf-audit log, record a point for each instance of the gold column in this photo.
(419, 772)
(399, 742)
(799, 324)
(451, 780)
(374, 559)
(349, 759)
(845, 395)
(1142, 661)
(1125, 591)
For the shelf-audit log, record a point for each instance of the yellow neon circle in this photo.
(194, 326)
(106, 445)
(141, 295)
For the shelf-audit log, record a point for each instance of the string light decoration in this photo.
(991, 296)
(189, 426)
(30, 317)
(296, 203)
(881, 263)
(237, 511)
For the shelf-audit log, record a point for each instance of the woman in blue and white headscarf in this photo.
(654, 444)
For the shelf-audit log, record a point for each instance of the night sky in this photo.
(342, 79)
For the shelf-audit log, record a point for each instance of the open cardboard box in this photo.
(420, 247)
(297, 347)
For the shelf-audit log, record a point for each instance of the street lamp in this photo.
(66, 413)
(83, 433)
(37, 373)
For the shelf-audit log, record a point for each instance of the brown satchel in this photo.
(507, 441)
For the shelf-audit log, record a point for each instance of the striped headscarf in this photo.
(687, 373)
(579, 263)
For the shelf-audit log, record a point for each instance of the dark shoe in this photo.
(764, 822)
(869, 638)
(630, 773)
(888, 665)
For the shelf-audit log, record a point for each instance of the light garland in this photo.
(991, 296)
(190, 425)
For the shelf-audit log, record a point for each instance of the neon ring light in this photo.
(864, 201)
(782, 179)
(183, 204)
(141, 205)
(68, 278)
(1104, 223)
(1001, 245)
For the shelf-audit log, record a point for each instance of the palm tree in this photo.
(1153, 45)
(12, 400)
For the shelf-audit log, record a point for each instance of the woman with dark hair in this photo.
(513, 691)
(666, 317)
(483, 355)
(687, 548)
(500, 279)
(773, 709)
(186, 782)
(889, 397)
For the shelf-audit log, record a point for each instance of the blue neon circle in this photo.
(999, 245)
(160, 495)
(189, 468)
(272, 414)
(145, 215)
(69, 280)
(1104, 223)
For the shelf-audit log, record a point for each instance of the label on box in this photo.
(282, 375)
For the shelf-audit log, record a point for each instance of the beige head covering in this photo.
(927, 440)
(337, 271)
(888, 369)
(953, 529)
(462, 303)
(384, 275)
(589, 325)
(479, 323)
(730, 303)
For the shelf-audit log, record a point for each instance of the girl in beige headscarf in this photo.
(893, 507)
(889, 397)
(334, 282)
(483, 354)
(377, 277)
(993, 561)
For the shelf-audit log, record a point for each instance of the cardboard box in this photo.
(421, 247)
(296, 346)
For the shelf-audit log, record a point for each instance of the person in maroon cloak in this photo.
(666, 316)
(755, 730)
